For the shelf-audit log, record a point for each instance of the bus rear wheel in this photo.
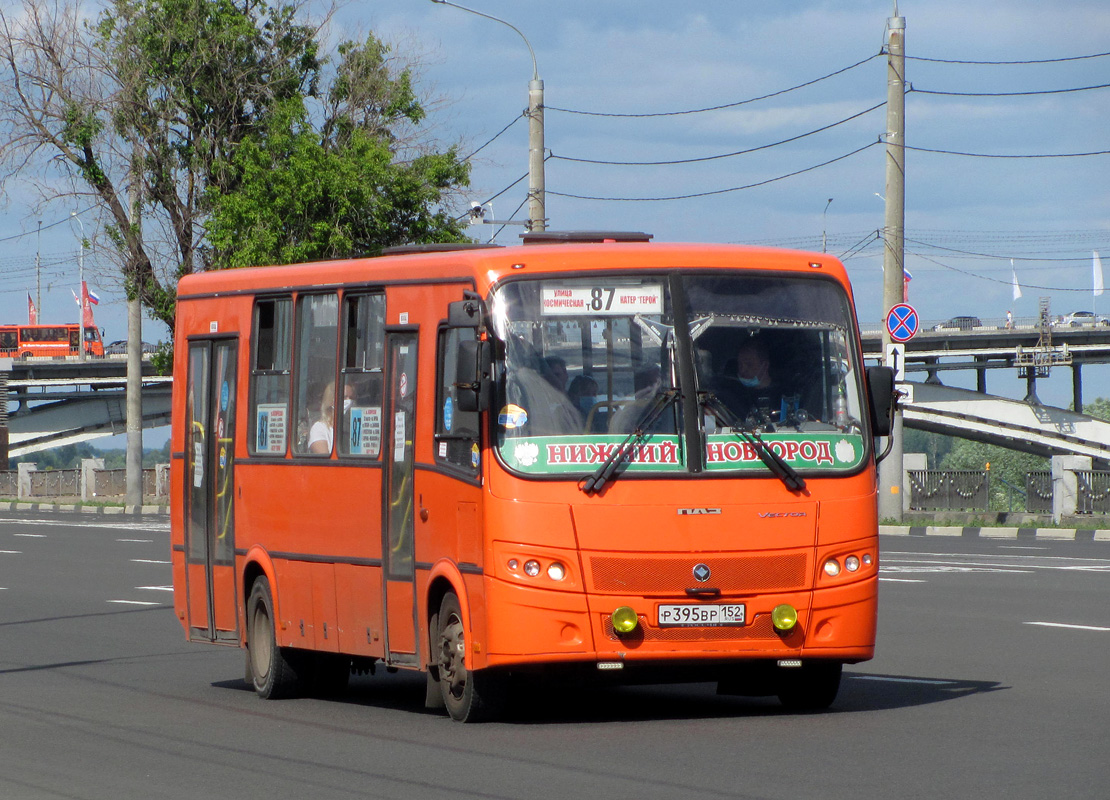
(470, 695)
(811, 687)
(271, 669)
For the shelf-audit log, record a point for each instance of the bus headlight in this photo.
(832, 567)
(531, 568)
(851, 563)
(556, 571)
(784, 617)
(624, 620)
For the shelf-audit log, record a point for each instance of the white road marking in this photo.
(31, 535)
(901, 580)
(148, 561)
(12, 552)
(135, 602)
(141, 541)
(156, 588)
(1069, 626)
(1019, 547)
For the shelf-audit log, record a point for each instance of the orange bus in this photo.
(25, 341)
(589, 456)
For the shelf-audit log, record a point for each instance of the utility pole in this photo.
(891, 470)
(537, 192)
(134, 461)
(81, 285)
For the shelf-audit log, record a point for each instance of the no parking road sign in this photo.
(902, 322)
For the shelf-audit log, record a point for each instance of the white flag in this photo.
(1017, 286)
(1096, 269)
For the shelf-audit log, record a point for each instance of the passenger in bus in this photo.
(555, 371)
(751, 391)
(647, 382)
(321, 433)
(583, 393)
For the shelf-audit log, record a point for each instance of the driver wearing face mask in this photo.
(752, 387)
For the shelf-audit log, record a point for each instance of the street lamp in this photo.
(81, 281)
(824, 238)
(537, 220)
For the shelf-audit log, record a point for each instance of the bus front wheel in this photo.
(470, 695)
(271, 671)
(811, 687)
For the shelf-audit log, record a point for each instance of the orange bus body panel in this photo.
(314, 526)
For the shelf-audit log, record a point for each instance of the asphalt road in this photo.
(990, 681)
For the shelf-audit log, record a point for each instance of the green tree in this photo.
(162, 110)
(1099, 408)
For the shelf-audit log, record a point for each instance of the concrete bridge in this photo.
(50, 402)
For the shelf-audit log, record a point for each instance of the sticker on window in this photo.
(601, 300)
(512, 416)
(270, 427)
(366, 430)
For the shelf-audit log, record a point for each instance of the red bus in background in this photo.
(25, 341)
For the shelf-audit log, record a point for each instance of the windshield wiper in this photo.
(783, 471)
(608, 469)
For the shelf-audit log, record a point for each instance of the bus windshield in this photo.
(684, 372)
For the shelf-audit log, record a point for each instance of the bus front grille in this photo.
(730, 574)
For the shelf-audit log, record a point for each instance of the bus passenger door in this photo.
(209, 518)
(397, 545)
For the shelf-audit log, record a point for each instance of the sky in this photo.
(967, 216)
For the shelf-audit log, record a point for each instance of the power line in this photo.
(495, 137)
(719, 155)
(1007, 63)
(716, 191)
(1010, 94)
(999, 280)
(1007, 155)
(718, 107)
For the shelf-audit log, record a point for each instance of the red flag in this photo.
(32, 312)
(86, 307)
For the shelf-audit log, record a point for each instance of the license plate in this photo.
(701, 615)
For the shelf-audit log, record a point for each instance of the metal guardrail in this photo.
(949, 490)
(1038, 492)
(1094, 491)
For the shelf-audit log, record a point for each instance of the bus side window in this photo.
(456, 431)
(360, 378)
(317, 336)
(273, 348)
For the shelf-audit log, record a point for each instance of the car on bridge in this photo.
(1077, 319)
(964, 323)
(118, 348)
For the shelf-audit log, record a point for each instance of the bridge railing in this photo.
(88, 482)
(949, 490)
(1093, 496)
(1038, 492)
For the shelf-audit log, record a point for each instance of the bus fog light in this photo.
(531, 568)
(832, 567)
(514, 565)
(867, 559)
(624, 620)
(556, 571)
(784, 617)
(851, 563)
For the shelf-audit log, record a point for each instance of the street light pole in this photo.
(81, 284)
(824, 228)
(537, 218)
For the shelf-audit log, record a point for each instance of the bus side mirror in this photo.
(466, 313)
(880, 387)
(472, 381)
